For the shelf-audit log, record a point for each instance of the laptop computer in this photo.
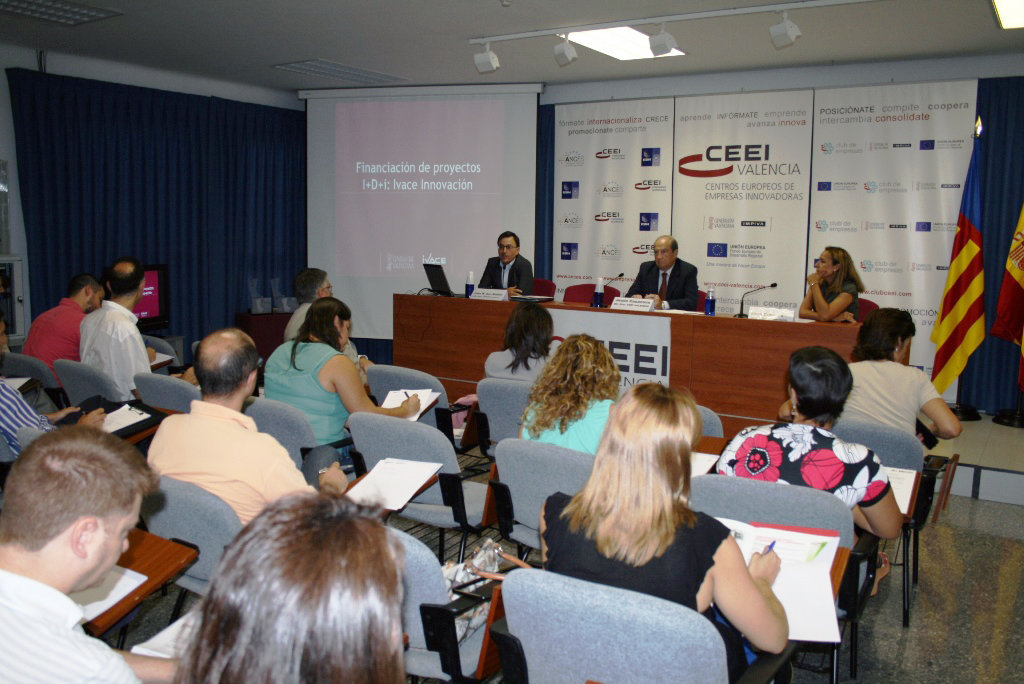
(438, 281)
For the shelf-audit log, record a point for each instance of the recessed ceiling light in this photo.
(341, 72)
(622, 43)
(1010, 13)
(56, 11)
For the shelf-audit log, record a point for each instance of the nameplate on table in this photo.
(630, 304)
(489, 294)
(771, 313)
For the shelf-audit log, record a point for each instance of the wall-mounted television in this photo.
(153, 309)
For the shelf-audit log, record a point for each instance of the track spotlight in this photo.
(565, 53)
(662, 43)
(784, 33)
(486, 61)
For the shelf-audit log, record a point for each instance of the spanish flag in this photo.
(1010, 310)
(960, 327)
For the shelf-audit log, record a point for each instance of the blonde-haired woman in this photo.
(833, 288)
(630, 526)
(569, 402)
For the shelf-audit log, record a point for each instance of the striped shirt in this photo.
(15, 413)
(41, 639)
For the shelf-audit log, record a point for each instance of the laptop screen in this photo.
(436, 278)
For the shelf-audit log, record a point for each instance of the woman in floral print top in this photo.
(805, 453)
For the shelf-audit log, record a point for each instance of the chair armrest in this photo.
(854, 590)
(443, 420)
(358, 462)
(768, 665)
(503, 505)
(513, 660)
(453, 496)
(440, 634)
(483, 433)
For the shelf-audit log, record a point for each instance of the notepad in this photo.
(804, 584)
(118, 583)
(170, 642)
(392, 483)
(902, 482)
(427, 399)
(701, 463)
(123, 417)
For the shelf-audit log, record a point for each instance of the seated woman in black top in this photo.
(832, 288)
(630, 525)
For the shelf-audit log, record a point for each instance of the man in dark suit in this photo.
(508, 271)
(668, 280)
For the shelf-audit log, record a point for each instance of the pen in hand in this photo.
(770, 547)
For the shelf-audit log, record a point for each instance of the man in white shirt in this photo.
(111, 341)
(69, 502)
(310, 285)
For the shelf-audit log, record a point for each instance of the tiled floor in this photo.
(991, 461)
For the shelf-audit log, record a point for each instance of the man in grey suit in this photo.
(668, 280)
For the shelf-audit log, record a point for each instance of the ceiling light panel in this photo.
(622, 43)
(56, 11)
(1010, 13)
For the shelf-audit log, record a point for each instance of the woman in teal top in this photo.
(311, 374)
(570, 401)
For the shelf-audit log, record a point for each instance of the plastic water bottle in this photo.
(598, 300)
(469, 284)
(709, 302)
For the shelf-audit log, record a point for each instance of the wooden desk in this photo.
(159, 559)
(734, 366)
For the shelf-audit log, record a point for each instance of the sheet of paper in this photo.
(170, 642)
(701, 463)
(396, 397)
(804, 583)
(16, 383)
(902, 482)
(118, 583)
(123, 417)
(162, 358)
(392, 483)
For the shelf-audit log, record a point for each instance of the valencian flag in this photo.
(960, 327)
(1009, 323)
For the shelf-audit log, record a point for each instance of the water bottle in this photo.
(709, 302)
(598, 300)
(469, 284)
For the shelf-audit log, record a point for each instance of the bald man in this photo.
(668, 280)
(219, 448)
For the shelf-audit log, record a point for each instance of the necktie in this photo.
(504, 276)
(663, 290)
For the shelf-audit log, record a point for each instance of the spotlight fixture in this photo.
(565, 53)
(662, 43)
(784, 33)
(486, 61)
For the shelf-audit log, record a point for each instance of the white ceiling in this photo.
(425, 42)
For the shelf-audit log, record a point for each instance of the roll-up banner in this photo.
(613, 197)
(889, 169)
(741, 193)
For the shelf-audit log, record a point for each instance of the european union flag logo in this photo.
(923, 226)
(570, 189)
(570, 251)
(718, 249)
(824, 186)
(927, 144)
(649, 220)
(650, 156)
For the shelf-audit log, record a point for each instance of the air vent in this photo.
(340, 72)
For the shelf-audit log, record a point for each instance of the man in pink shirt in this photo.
(55, 334)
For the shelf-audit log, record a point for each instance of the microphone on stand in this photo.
(744, 296)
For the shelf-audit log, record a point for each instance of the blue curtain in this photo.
(990, 380)
(545, 196)
(216, 189)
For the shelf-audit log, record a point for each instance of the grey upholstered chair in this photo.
(451, 503)
(25, 366)
(291, 428)
(711, 423)
(82, 381)
(502, 403)
(749, 500)
(181, 510)
(528, 473)
(575, 631)
(428, 617)
(162, 346)
(383, 379)
(166, 392)
(26, 435)
(896, 449)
